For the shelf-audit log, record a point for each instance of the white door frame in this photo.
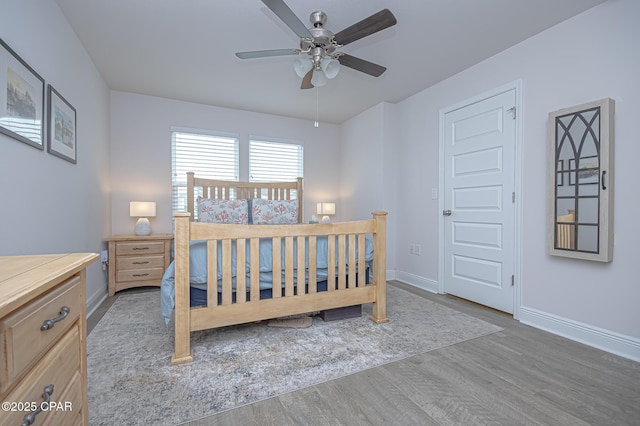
(517, 267)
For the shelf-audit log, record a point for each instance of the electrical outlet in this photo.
(418, 250)
(104, 256)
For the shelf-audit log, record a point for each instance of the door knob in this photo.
(446, 212)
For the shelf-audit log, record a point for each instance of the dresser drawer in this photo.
(140, 262)
(139, 247)
(68, 408)
(140, 274)
(58, 367)
(22, 335)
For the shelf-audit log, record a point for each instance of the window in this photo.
(217, 157)
(208, 156)
(274, 161)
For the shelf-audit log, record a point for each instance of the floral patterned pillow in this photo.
(223, 211)
(274, 212)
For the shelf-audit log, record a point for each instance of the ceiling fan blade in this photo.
(374, 23)
(286, 15)
(306, 81)
(267, 53)
(361, 65)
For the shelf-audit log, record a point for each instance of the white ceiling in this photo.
(184, 49)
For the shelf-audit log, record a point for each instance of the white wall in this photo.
(368, 181)
(592, 56)
(141, 151)
(50, 205)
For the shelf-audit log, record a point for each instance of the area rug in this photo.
(131, 381)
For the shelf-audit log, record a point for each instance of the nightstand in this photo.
(137, 261)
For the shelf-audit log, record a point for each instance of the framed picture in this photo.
(62, 127)
(21, 99)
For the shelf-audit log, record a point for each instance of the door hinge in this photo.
(513, 280)
(512, 110)
(513, 197)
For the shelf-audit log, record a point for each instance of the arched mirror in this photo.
(580, 223)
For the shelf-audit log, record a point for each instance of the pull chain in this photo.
(316, 124)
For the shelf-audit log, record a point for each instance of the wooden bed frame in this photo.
(292, 302)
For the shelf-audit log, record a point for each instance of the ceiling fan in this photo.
(320, 44)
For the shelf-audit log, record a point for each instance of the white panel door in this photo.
(479, 215)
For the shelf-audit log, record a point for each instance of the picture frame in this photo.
(61, 130)
(21, 99)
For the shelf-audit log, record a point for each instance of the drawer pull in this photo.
(30, 418)
(48, 324)
(141, 263)
(140, 248)
(140, 275)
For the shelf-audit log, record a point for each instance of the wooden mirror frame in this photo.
(582, 180)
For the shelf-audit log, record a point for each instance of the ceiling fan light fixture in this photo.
(319, 79)
(318, 45)
(330, 66)
(302, 66)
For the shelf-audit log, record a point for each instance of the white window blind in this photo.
(208, 156)
(275, 161)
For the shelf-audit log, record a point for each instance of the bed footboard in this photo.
(291, 245)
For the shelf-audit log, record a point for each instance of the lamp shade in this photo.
(326, 208)
(318, 79)
(302, 66)
(330, 66)
(142, 209)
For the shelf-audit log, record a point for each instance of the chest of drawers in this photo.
(138, 261)
(43, 367)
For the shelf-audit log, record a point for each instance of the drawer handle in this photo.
(30, 418)
(141, 263)
(48, 324)
(140, 275)
(141, 248)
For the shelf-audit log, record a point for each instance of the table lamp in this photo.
(326, 209)
(142, 210)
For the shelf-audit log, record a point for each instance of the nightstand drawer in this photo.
(22, 331)
(140, 262)
(140, 247)
(140, 274)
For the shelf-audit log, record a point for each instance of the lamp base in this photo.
(143, 226)
(325, 220)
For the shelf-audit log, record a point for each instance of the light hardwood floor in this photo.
(519, 376)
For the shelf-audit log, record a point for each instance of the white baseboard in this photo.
(416, 281)
(96, 300)
(606, 340)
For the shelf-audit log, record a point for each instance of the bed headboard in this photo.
(226, 190)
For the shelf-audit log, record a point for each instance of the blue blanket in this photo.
(198, 266)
